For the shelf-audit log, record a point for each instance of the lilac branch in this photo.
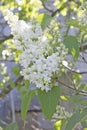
(4, 60)
(74, 71)
(81, 92)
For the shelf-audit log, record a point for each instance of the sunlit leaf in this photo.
(85, 129)
(58, 125)
(44, 20)
(64, 98)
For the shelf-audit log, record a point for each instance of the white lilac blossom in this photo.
(82, 18)
(41, 56)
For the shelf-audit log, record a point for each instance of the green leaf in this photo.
(44, 20)
(44, 0)
(72, 22)
(27, 83)
(72, 44)
(84, 124)
(1, 49)
(82, 87)
(75, 119)
(12, 126)
(26, 99)
(49, 100)
(16, 70)
(75, 23)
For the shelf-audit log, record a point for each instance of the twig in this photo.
(75, 71)
(83, 58)
(73, 88)
(4, 60)
(53, 13)
(45, 7)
